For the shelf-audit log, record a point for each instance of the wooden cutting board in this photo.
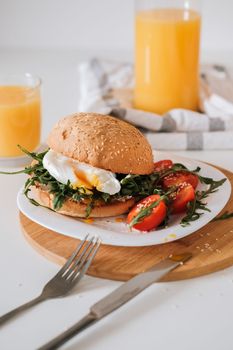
(211, 246)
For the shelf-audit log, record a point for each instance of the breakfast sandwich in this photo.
(96, 165)
(100, 166)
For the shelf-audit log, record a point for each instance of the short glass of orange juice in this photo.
(167, 40)
(20, 115)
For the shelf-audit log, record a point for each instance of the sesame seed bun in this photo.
(78, 209)
(104, 142)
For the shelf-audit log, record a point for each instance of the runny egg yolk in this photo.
(80, 175)
(83, 181)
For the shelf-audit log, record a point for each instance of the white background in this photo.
(192, 314)
(50, 37)
(96, 24)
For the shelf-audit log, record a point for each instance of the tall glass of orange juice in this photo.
(167, 39)
(20, 117)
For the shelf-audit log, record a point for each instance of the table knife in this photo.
(118, 297)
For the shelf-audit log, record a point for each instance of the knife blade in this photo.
(118, 297)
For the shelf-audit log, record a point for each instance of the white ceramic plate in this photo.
(117, 233)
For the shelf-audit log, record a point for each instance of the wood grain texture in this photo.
(212, 248)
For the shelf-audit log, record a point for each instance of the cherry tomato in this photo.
(176, 179)
(156, 217)
(163, 165)
(182, 197)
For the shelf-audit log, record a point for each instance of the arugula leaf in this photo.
(194, 207)
(106, 197)
(36, 156)
(226, 215)
(144, 212)
(89, 208)
(12, 172)
(60, 192)
(138, 186)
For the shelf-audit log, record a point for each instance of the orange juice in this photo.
(19, 119)
(167, 59)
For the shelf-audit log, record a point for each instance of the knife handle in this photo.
(118, 297)
(69, 333)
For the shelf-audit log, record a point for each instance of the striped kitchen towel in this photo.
(106, 87)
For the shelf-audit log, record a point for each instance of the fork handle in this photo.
(18, 310)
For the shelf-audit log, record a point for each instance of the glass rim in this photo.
(37, 81)
(151, 4)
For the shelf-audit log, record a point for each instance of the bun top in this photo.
(104, 142)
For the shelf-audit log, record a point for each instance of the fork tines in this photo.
(80, 260)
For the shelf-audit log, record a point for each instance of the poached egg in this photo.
(65, 169)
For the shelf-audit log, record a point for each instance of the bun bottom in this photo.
(77, 209)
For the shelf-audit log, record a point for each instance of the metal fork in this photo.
(66, 278)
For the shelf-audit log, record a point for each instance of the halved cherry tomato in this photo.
(163, 165)
(182, 197)
(176, 179)
(156, 217)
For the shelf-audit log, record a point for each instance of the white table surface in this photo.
(192, 314)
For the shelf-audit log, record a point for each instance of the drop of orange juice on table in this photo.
(19, 119)
(167, 59)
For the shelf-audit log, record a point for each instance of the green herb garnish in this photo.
(61, 192)
(145, 211)
(89, 208)
(137, 186)
(194, 207)
(226, 215)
